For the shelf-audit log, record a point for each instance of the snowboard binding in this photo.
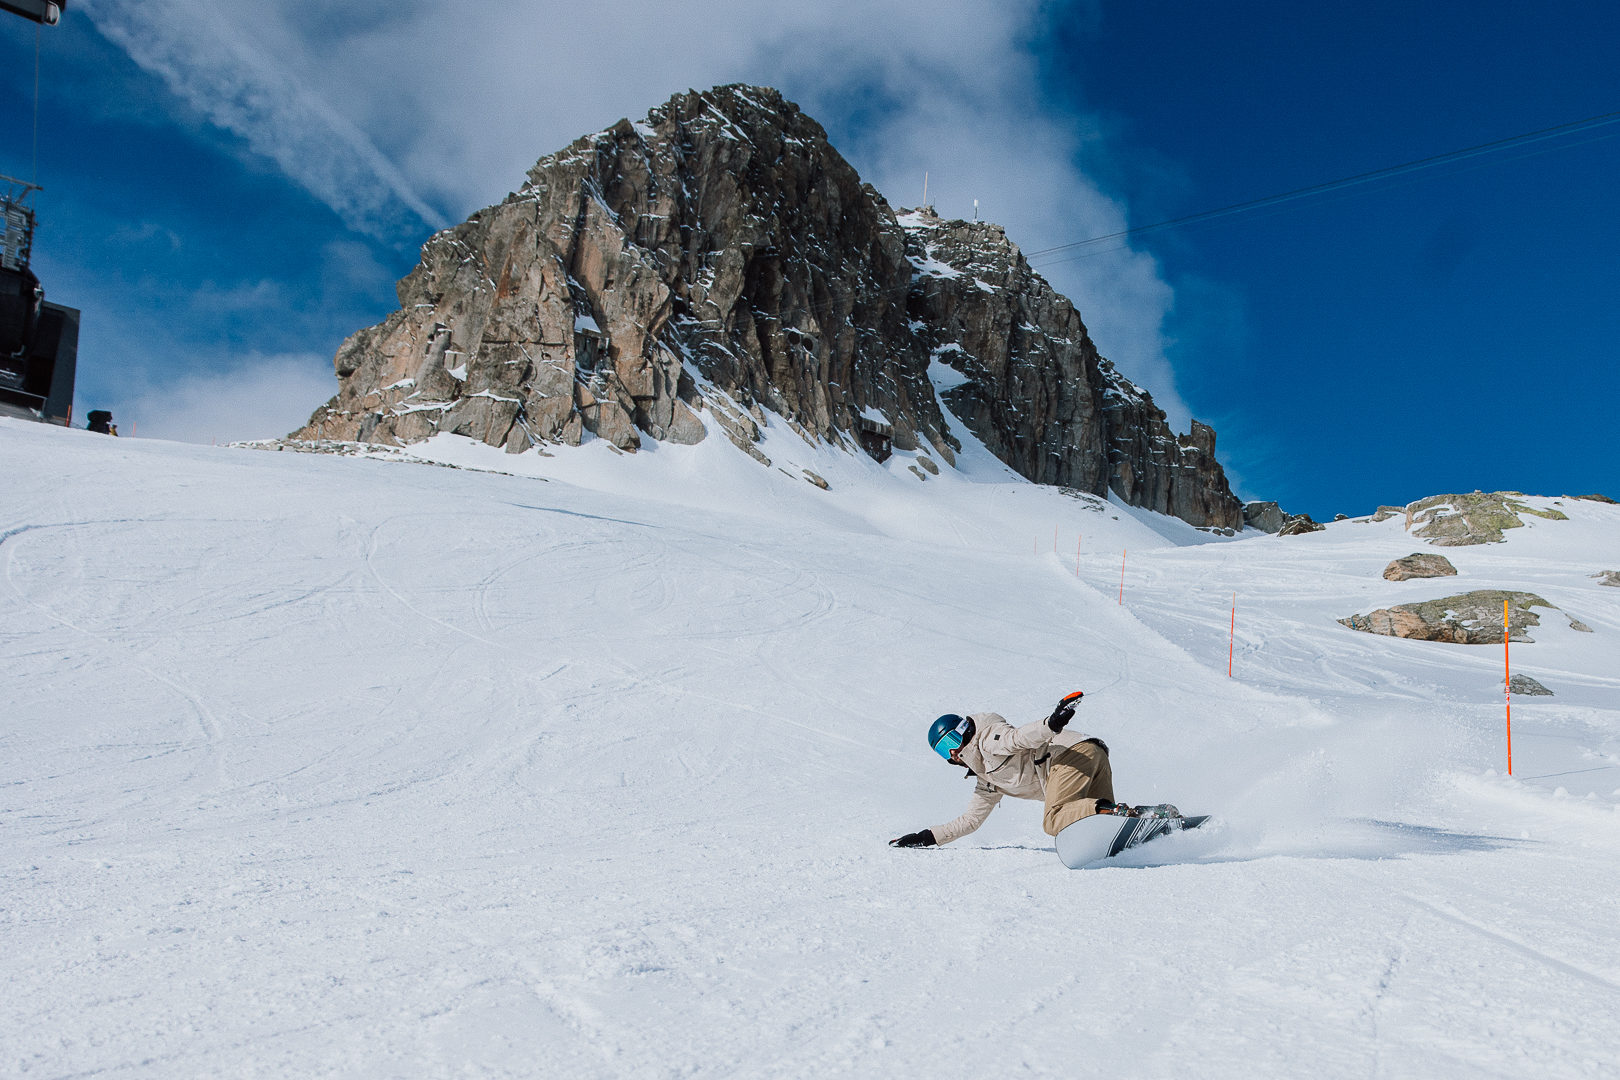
(1156, 812)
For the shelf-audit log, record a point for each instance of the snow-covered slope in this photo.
(322, 766)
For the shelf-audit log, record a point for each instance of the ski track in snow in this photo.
(322, 766)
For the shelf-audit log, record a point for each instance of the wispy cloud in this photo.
(214, 64)
(465, 97)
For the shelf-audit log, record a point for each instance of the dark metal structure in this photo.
(39, 341)
(877, 438)
(44, 12)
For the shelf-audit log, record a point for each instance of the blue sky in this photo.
(232, 189)
(1450, 330)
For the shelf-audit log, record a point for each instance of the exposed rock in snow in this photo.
(1524, 684)
(1479, 518)
(1271, 518)
(1470, 619)
(721, 259)
(1608, 577)
(1265, 516)
(1419, 565)
(1299, 524)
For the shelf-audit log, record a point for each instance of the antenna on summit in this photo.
(925, 189)
(975, 209)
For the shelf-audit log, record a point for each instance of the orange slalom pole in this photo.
(1507, 685)
(1231, 641)
(1122, 553)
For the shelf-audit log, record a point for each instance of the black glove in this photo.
(1064, 712)
(915, 839)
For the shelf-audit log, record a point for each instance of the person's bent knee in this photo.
(1058, 818)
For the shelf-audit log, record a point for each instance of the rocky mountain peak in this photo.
(681, 274)
(1025, 377)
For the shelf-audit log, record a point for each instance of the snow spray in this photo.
(1507, 685)
(1122, 554)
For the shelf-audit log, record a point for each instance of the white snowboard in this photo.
(1103, 836)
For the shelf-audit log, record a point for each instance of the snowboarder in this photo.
(1069, 771)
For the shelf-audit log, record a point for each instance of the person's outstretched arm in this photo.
(985, 798)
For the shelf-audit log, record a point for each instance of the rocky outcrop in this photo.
(1595, 497)
(1479, 518)
(1419, 565)
(1470, 619)
(1524, 684)
(1608, 577)
(679, 276)
(1265, 516)
(1013, 361)
(1299, 525)
(1271, 518)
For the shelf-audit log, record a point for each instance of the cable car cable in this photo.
(818, 308)
(1348, 181)
(38, 29)
(1216, 223)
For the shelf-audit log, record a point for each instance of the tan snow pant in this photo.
(1079, 776)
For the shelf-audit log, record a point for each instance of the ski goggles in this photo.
(949, 743)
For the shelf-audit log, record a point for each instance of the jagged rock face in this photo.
(663, 278)
(724, 232)
(1030, 384)
(1470, 619)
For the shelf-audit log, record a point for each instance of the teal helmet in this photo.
(948, 733)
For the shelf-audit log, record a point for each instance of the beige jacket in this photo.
(1007, 761)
